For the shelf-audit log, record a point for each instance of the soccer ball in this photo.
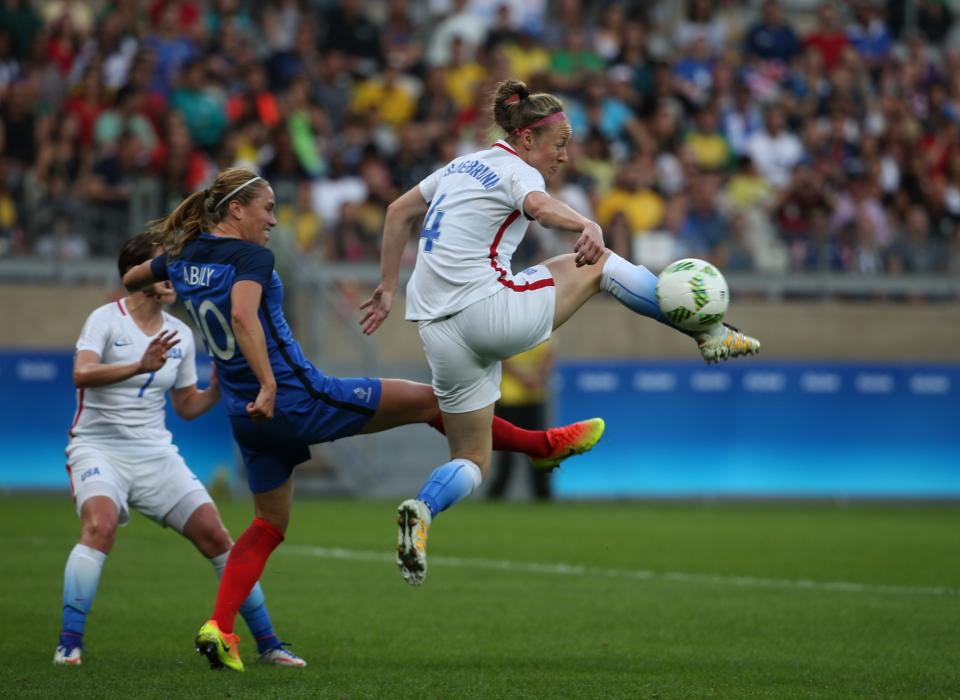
(692, 294)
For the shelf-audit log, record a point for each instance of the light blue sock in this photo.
(253, 610)
(80, 580)
(450, 483)
(634, 286)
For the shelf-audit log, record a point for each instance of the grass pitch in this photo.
(567, 600)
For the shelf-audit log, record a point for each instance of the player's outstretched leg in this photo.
(413, 526)
(220, 649)
(569, 440)
(723, 342)
(635, 287)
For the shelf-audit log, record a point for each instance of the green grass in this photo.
(719, 613)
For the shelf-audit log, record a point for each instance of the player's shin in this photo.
(508, 437)
(80, 580)
(634, 286)
(244, 566)
(449, 484)
(253, 610)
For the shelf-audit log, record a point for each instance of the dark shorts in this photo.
(271, 449)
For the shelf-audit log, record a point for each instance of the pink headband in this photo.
(513, 99)
(549, 119)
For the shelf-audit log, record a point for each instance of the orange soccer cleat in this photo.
(569, 440)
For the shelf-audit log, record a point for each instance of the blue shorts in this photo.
(271, 449)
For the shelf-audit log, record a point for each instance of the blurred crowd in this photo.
(764, 135)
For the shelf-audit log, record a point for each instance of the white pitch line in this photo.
(558, 569)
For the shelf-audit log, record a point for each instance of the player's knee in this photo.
(99, 530)
(207, 532)
(424, 403)
(214, 541)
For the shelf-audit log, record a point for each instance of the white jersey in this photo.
(474, 224)
(130, 414)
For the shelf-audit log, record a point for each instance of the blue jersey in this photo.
(310, 407)
(203, 275)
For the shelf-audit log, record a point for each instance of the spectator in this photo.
(462, 76)
(461, 25)
(20, 19)
(63, 243)
(914, 251)
(869, 34)
(635, 58)
(170, 49)
(701, 24)
(203, 105)
(775, 150)
(859, 206)
(740, 119)
(607, 36)
(795, 212)
(693, 73)
(828, 39)
(706, 141)
(110, 186)
(571, 65)
(392, 96)
(772, 38)
(705, 230)
(634, 197)
(350, 31)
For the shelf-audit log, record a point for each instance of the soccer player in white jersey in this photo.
(473, 312)
(120, 454)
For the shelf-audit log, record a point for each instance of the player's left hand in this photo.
(589, 247)
(378, 308)
(262, 409)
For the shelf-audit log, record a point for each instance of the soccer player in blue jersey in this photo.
(120, 456)
(277, 401)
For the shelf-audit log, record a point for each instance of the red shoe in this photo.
(569, 440)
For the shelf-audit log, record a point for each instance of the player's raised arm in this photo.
(403, 213)
(139, 276)
(552, 213)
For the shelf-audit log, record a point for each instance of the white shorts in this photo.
(153, 482)
(465, 350)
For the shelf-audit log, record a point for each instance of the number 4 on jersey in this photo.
(432, 233)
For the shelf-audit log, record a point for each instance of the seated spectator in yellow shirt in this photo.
(633, 195)
(706, 141)
(389, 95)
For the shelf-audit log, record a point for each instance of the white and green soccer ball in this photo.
(692, 294)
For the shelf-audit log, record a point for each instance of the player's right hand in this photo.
(378, 308)
(155, 355)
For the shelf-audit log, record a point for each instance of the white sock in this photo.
(634, 286)
(81, 577)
